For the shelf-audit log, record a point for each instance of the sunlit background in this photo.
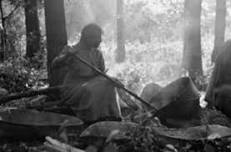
(153, 33)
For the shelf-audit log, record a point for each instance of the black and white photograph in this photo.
(115, 76)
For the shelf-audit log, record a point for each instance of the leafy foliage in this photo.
(20, 147)
(13, 75)
(17, 74)
(142, 139)
(145, 140)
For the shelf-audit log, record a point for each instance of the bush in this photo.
(17, 74)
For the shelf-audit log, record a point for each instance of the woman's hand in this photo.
(68, 50)
(118, 82)
(69, 54)
(64, 58)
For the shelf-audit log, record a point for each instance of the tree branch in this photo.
(12, 12)
(59, 146)
(47, 91)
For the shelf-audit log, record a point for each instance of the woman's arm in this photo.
(101, 62)
(63, 59)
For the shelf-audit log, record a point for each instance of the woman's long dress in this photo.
(90, 96)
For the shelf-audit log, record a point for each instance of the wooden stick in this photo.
(30, 93)
(127, 99)
(59, 146)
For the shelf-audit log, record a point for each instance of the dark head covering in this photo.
(91, 35)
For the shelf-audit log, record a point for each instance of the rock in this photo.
(105, 128)
(3, 92)
(178, 101)
(149, 91)
(201, 132)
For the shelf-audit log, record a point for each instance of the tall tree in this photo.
(32, 28)
(6, 14)
(56, 37)
(192, 61)
(219, 28)
(2, 33)
(120, 51)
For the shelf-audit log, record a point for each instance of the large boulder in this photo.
(149, 91)
(122, 131)
(24, 124)
(177, 103)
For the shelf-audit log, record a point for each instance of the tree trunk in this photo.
(120, 52)
(32, 28)
(56, 37)
(219, 28)
(192, 61)
(2, 34)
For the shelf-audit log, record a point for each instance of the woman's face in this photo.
(93, 40)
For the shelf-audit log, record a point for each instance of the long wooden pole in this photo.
(114, 82)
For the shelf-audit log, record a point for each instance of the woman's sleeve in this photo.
(61, 59)
(58, 61)
(101, 62)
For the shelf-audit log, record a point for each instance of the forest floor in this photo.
(141, 139)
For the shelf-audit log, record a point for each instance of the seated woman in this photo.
(89, 95)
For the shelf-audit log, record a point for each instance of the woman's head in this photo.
(91, 35)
